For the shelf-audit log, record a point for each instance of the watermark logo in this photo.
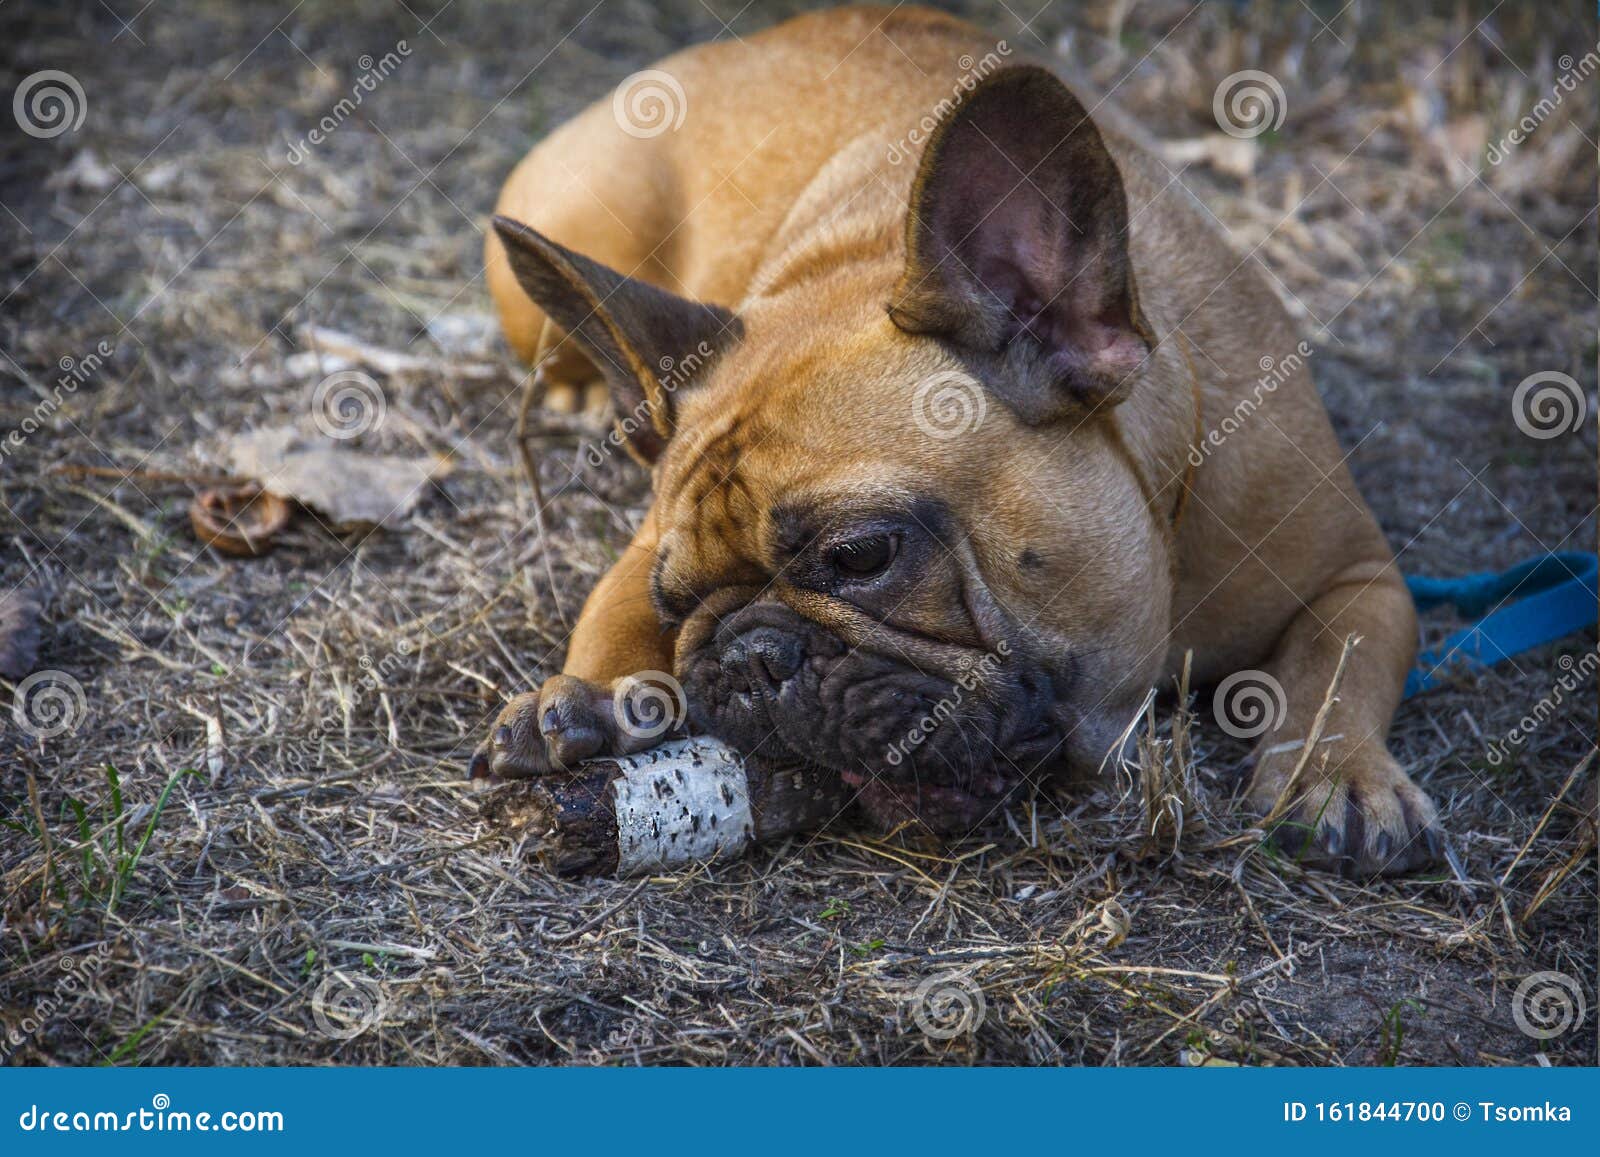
(633, 1033)
(949, 404)
(347, 404)
(1574, 673)
(649, 103)
(377, 672)
(49, 103)
(947, 1005)
(1274, 372)
(1251, 1007)
(48, 704)
(77, 973)
(74, 373)
(671, 373)
(972, 72)
(648, 704)
(1548, 1004)
(1573, 73)
(1249, 703)
(973, 675)
(1548, 404)
(155, 1119)
(344, 1006)
(373, 74)
(1249, 103)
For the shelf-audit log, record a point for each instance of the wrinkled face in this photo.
(899, 580)
(902, 532)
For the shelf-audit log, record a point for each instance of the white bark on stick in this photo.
(681, 802)
(687, 801)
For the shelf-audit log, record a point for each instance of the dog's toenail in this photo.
(502, 736)
(551, 721)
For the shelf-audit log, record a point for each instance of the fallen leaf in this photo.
(346, 486)
(239, 520)
(1116, 922)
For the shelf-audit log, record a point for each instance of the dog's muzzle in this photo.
(944, 748)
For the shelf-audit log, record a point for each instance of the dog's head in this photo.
(899, 532)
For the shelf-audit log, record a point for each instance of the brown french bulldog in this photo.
(939, 374)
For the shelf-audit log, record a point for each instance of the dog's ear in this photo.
(1017, 249)
(647, 342)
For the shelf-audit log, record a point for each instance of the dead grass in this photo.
(327, 695)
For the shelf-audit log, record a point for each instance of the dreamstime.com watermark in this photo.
(1548, 1004)
(373, 74)
(1573, 73)
(49, 703)
(1548, 404)
(1575, 672)
(347, 404)
(160, 1117)
(74, 373)
(1250, 1007)
(674, 372)
(346, 1005)
(972, 676)
(648, 704)
(948, 404)
(1248, 704)
(49, 103)
(973, 71)
(1274, 372)
(649, 103)
(634, 1032)
(947, 1005)
(304, 752)
(77, 973)
(1248, 103)
(375, 673)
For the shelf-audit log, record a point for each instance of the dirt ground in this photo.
(322, 889)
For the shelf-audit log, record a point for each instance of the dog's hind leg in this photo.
(596, 190)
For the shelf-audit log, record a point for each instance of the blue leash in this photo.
(1557, 595)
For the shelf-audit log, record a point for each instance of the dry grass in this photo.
(327, 696)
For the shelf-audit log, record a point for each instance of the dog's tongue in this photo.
(941, 808)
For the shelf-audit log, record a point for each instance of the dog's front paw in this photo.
(1363, 817)
(569, 720)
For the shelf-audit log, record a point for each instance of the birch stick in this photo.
(685, 802)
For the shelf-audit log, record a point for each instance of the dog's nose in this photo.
(764, 654)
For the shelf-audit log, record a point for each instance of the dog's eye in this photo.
(864, 557)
